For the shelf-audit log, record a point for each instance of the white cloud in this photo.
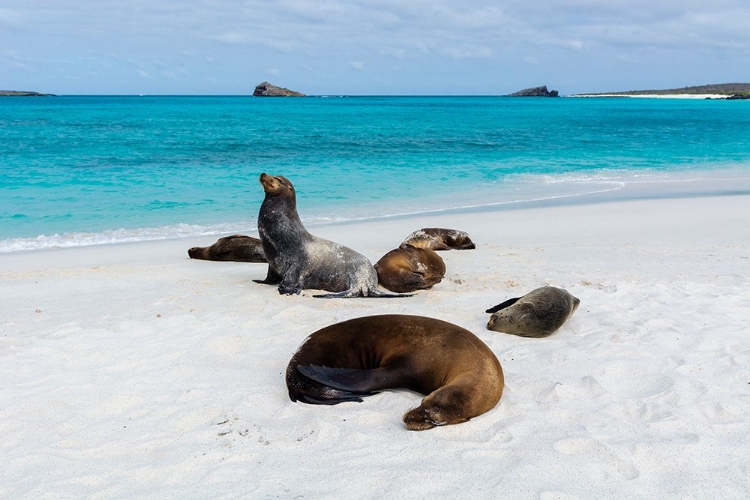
(467, 52)
(235, 41)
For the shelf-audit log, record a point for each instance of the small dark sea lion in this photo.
(458, 373)
(297, 260)
(537, 314)
(237, 248)
(436, 238)
(409, 268)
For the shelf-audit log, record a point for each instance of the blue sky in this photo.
(470, 47)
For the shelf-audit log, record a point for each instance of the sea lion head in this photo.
(276, 185)
(459, 240)
(442, 407)
(409, 268)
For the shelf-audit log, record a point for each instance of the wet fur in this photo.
(539, 313)
(457, 372)
(297, 260)
(436, 238)
(409, 268)
(236, 248)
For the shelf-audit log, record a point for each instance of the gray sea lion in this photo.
(436, 238)
(298, 260)
(409, 268)
(458, 373)
(237, 248)
(537, 314)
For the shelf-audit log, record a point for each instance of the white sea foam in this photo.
(80, 239)
(513, 191)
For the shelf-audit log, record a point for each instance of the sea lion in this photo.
(409, 268)
(237, 248)
(458, 373)
(298, 260)
(537, 314)
(436, 238)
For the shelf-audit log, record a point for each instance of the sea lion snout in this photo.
(266, 181)
(275, 185)
(421, 419)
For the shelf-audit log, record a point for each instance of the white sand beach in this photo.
(131, 371)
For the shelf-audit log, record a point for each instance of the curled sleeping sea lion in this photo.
(436, 238)
(238, 248)
(457, 372)
(409, 268)
(537, 314)
(298, 260)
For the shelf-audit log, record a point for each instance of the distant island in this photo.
(265, 89)
(535, 92)
(22, 93)
(714, 91)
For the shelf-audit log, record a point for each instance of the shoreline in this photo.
(161, 376)
(608, 191)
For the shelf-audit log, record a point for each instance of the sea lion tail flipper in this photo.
(383, 295)
(505, 304)
(361, 382)
(316, 394)
(348, 294)
(334, 397)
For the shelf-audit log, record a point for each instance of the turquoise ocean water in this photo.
(79, 170)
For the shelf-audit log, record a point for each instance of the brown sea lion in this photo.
(409, 268)
(457, 372)
(436, 238)
(537, 314)
(237, 248)
(298, 260)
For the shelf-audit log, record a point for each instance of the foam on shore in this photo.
(513, 193)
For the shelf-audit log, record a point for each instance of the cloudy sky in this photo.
(467, 47)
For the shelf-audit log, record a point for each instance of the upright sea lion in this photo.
(298, 260)
(436, 238)
(537, 314)
(238, 248)
(457, 372)
(409, 268)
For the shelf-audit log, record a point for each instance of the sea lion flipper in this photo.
(340, 397)
(505, 304)
(348, 294)
(272, 278)
(363, 382)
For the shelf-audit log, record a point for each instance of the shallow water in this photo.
(77, 170)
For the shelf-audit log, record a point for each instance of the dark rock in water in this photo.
(535, 92)
(23, 93)
(735, 97)
(265, 89)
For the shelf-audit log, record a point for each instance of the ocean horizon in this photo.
(82, 170)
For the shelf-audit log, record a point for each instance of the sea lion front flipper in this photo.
(272, 278)
(505, 304)
(363, 382)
